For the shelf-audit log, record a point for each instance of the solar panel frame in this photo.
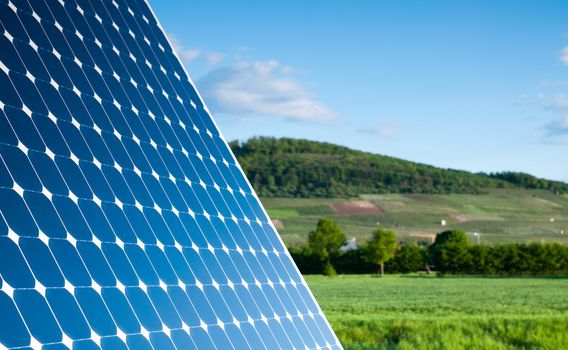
(67, 197)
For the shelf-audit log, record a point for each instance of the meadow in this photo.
(430, 312)
(500, 215)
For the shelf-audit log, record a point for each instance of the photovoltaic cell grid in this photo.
(125, 220)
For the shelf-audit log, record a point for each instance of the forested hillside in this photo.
(287, 167)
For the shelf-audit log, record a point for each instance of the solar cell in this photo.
(125, 220)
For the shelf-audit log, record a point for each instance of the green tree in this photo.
(270, 181)
(325, 241)
(306, 260)
(450, 252)
(382, 248)
(410, 258)
(451, 236)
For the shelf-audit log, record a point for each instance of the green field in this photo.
(427, 312)
(501, 215)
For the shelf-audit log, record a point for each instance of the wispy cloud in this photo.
(554, 83)
(555, 103)
(558, 104)
(249, 88)
(186, 55)
(383, 129)
(564, 55)
(558, 127)
(214, 58)
(261, 89)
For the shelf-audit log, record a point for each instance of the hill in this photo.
(499, 215)
(284, 167)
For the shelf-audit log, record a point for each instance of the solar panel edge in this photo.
(188, 76)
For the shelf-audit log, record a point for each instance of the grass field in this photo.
(427, 312)
(500, 215)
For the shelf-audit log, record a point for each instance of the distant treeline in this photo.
(451, 253)
(284, 167)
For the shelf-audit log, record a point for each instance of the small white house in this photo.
(443, 223)
(349, 246)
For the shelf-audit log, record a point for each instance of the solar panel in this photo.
(125, 220)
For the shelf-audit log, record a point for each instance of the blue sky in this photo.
(476, 85)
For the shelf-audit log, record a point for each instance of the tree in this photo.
(382, 248)
(450, 252)
(409, 258)
(306, 260)
(451, 236)
(326, 240)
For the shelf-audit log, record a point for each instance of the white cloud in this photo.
(558, 127)
(186, 55)
(214, 58)
(564, 55)
(556, 103)
(554, 83)
(261, 89)
(383, 129)
(564, 123)
(559, 105)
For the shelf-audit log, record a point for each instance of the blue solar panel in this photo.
(125, 220)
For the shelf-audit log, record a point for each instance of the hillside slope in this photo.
(287, 167)
(499, 215)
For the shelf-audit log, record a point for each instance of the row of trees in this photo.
(451, 253)
(287, 167)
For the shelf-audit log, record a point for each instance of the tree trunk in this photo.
(382, 268)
